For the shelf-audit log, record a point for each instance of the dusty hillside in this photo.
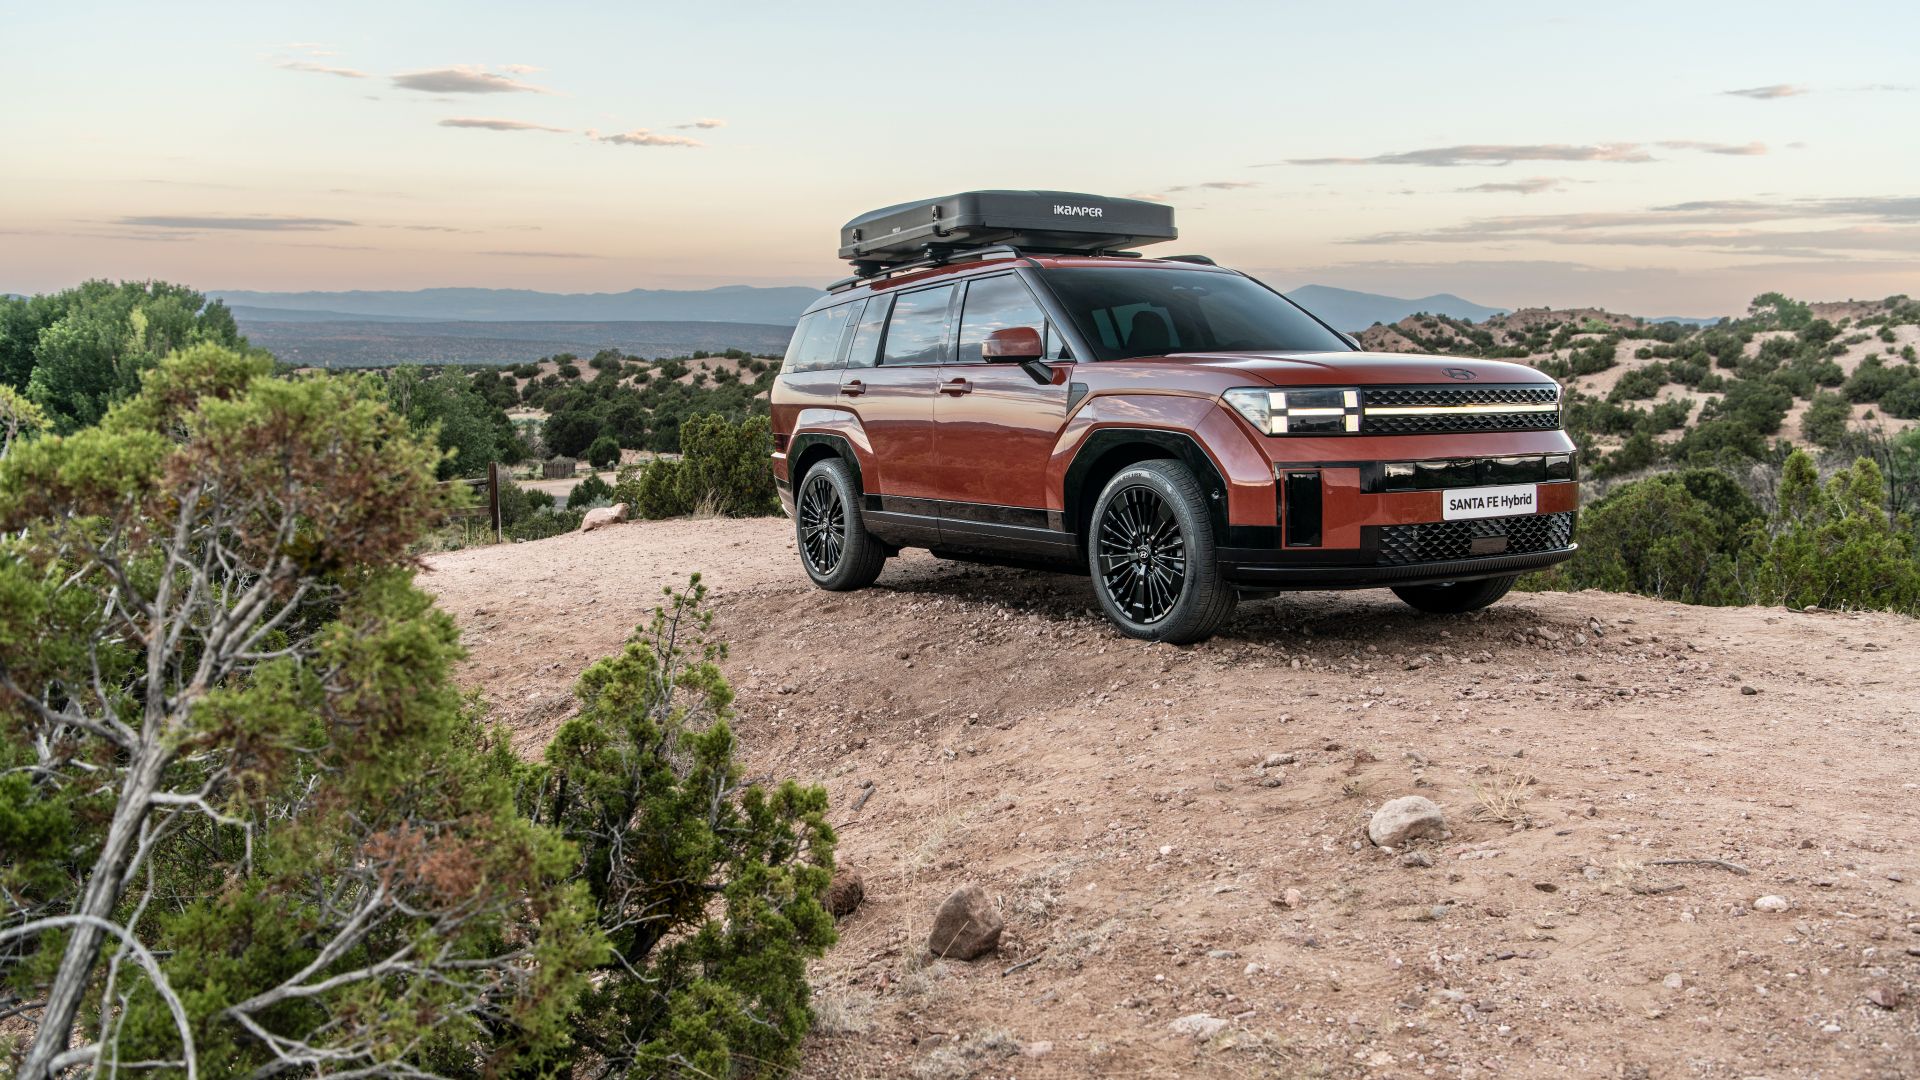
(1174, 832)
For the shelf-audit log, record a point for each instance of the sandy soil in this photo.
(1116, 800)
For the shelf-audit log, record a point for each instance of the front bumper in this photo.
(1259, 569)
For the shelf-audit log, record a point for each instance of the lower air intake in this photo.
(1443, 541)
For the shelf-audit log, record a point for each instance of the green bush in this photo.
(604, 453)
(709, 887)
(1824, 424)
(653, 490)
(542, 525)
(1834, 545)
(727, 467)
(589, 492)
(1675, 536)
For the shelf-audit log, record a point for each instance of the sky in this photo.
(1653, 158)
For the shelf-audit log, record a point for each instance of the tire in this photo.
(1455, 597)
(1150, 549)
(835, 548)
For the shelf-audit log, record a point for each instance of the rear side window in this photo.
(867, 333)
(818, 337)
(996, 303)
(917, 333)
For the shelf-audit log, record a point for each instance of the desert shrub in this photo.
(1824, 424)
(1874, 380)
(654, 490)
(589, 492)
(544, 524)
(727, 466)
(281, 812)
(1833, 544)
(518, 504)
(1597, 357)
(1639, 384)
(604, 453)
(1676, 536)
(709, 887)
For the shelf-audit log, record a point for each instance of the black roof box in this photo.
(1044, 221)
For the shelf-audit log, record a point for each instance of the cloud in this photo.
(1752, 149)
(322, 69)
(642, 137)
(464, 79)
(1216, 185)
(1727, 226)
(1491, 154)
(542, 254)
(254, 223)
(1767, 93)
(1532, 185)
(1500, 154)
(491, 124)
(520, 69)
(705, 123)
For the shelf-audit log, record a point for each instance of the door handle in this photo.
(956, 386)
(853, 388)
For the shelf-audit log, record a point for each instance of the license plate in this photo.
(1484, 502)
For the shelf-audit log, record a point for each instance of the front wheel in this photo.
(1151, 552)
(835, 547)
(1455, 597)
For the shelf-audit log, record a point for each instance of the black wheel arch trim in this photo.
(799, 450)
(1179, 445)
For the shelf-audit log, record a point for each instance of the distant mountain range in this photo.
(1355, 311)
(1346, 309)
(780, 306)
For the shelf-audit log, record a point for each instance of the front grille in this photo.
(1442, 541)
(1456, 409)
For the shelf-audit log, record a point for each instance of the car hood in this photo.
(1360, 368)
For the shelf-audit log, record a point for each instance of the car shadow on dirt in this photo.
(1359, 617)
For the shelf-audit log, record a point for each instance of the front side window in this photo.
(917, 333)
(817, 339)
(996, 303)
(1125, 312)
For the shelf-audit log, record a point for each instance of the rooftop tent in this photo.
(1046, 221)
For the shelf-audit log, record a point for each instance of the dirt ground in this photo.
(1175, 833)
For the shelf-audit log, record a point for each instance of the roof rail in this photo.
(942, 254)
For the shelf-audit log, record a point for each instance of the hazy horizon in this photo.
(1660, 160)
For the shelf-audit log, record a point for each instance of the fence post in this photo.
(493, 497)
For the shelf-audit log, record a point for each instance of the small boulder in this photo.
(967, 926)
(1771, 903)
(1406, 818)
(845, 892)
(603, 515)
(1199, 1025)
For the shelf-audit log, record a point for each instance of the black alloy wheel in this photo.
(1143, 557)
(823, 524)
(835, 547)
(1150, 549)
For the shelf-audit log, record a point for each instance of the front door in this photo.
(995, 427)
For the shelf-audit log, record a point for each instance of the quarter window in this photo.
(866, 335)
(918, 332)
(818, 337)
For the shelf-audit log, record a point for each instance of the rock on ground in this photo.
(967, 926)
(603, 515)
(1406, 818)
(845, 892)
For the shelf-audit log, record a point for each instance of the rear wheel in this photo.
(1151, 552)
(835, 547)
(1455, 597)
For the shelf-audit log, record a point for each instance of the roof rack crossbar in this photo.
(942, 254)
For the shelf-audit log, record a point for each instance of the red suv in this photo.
(1005, 381)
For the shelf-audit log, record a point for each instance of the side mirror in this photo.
(1012, 345)
(1019, 345)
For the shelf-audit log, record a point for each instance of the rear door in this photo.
(995, 428)
(894, 394)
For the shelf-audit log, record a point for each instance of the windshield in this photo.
(1151, 311)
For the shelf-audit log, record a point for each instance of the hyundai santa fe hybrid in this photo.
(1005, 380)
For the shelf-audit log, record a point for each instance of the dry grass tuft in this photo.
(1502, 798)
